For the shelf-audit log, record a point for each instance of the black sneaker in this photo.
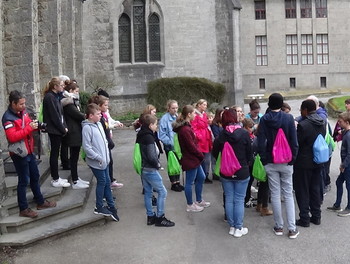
(293, 233)
(315, 221)
(102, 211)
(302, 223)
(181, 187)
(151, 220)
(114, 214)
(154, 201)
(334, 208)
(162, 221)
(176, 187)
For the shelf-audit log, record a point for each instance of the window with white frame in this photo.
(321, 8)
(292, 49)
(322, 48)
(305, 9)
(261, 50)
(307, 49)
(139, 33)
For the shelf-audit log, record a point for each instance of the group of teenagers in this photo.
(202, 138)
(67, 128)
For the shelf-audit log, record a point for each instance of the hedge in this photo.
(185, 90)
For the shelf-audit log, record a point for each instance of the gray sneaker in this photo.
(345, 212)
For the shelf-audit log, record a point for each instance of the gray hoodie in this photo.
(95, 145)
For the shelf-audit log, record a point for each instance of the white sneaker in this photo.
(60, 183)
(194, 208)
(85, 182)
(79, 185)
(232, 231)
(203, 204)
(116, 184)
(63, 180)
(240, 232)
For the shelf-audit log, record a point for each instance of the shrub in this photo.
(185, 90)
(84, 98)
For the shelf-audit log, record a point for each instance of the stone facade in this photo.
(277, 73)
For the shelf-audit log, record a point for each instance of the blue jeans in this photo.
(234, 192)
(152, 180)
(28, 172)
(195, 176)
(280, 180)
(343, 176)
(103, 187)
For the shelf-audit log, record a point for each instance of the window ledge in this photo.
(140, 65)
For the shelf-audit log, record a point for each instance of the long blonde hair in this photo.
(51, 85)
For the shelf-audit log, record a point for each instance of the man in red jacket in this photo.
(18, 126)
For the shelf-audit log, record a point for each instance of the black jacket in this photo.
(145, 138)
(73, 119)
(241, 144)
(53, 114)
(308, 129)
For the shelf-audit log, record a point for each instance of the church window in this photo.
(154, 38)
(124, 39)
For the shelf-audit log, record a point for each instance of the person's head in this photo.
(217, 117)
(286, 108)
(201, 105)
(150, 121)
(103, 103)
(248, 124)
(344, 120)
(102, 92)
(17, 101)
(240, 113)
(187, 113)
(307, 106)
(72, 87)
(275, 101)
(347, 104)
(55, 85)
(210, 117)
(315, 99)
(93, 113)
(149, 109)
(229, 117)
(172, 107)
(64, 78)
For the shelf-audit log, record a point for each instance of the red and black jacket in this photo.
(12, 123)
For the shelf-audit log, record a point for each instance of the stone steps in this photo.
(74, 209)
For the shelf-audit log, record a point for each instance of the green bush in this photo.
(84, 98)
(185, 90)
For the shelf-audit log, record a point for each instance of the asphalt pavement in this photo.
(197, 237)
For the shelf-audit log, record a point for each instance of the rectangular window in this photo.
(292, 82)
(323, 81)
(262, 84)
(260, 9)
(306, 49)
(292, 49)
(305, 9)
(322, 48)
(321, 8)
(291, 8)
(261, 50)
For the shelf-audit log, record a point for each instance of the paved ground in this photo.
(196, 238)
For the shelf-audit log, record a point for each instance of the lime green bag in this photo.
(217, 165)
(174, 167)
(177, 148)
(82, 154)
(259, 172)
(330, 141)
(137, 160)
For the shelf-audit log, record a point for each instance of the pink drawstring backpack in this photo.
(281, 152)
(229, 162)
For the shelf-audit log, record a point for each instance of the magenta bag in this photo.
(281, 152)
(229, 162)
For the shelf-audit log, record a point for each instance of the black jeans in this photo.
(111, 167)
(64, 155)
(74, 157)
(55, 143)
(307, 184)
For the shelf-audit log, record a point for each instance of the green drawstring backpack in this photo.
(137, 161)
(259, 172)
(174, 167)
(177, 148)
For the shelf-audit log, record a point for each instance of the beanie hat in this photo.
(103, 92)
(275, 101)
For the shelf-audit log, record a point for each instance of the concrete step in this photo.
(71, 201)
(49, 228)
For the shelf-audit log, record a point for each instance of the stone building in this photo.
(294, 44)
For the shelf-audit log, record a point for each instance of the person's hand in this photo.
(34, 124)
(119, 124)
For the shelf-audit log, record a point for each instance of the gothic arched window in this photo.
(139, 32)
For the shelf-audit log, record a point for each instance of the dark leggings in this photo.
(74, 157)
(111, 166)
(263, 194)
(55, 143)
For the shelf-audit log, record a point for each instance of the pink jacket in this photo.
(202, 131)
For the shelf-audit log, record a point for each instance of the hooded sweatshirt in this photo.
(95, 145)
(267, 131)
(240, 142)
(149, 149)
(308, 129)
